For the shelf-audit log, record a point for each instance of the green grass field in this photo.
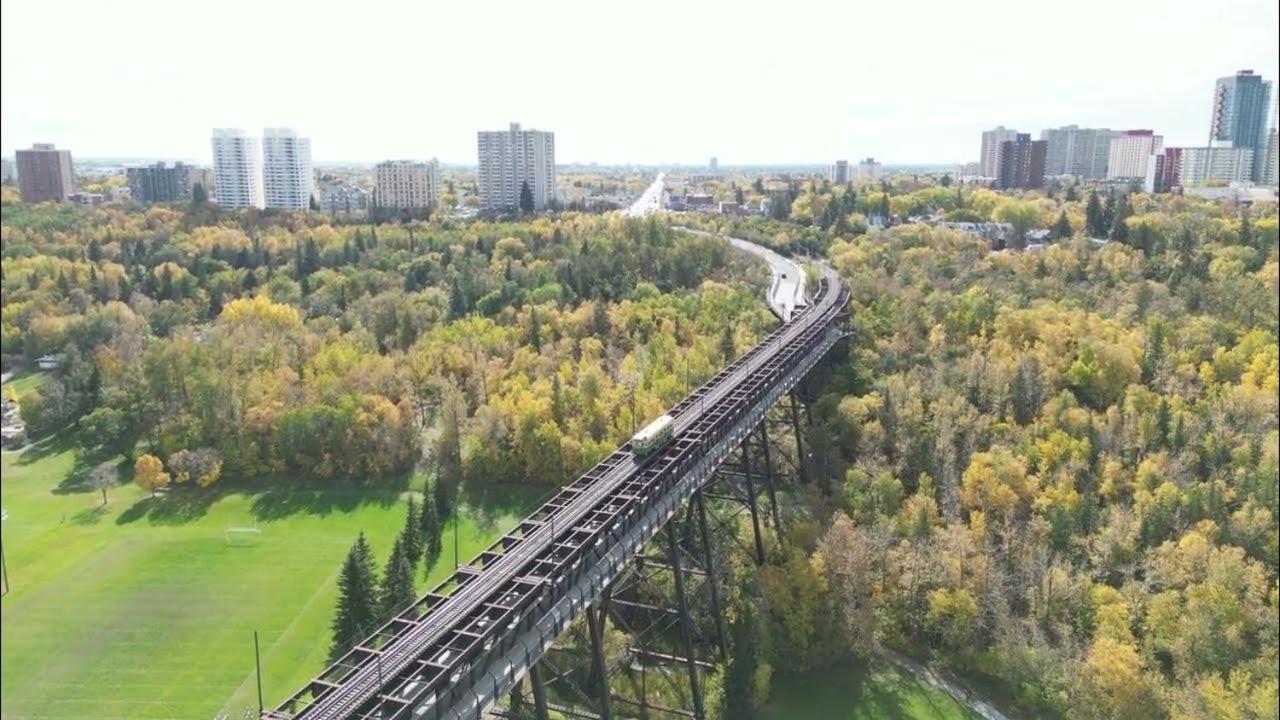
(879, 691)
(142, 609)
(24, 382)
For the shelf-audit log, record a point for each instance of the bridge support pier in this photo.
(752, 506)
(712, 577)
(539, 692)
(600, 671)
(795, 428)
(769, 481)
(686, 623)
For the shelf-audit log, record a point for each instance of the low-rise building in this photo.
(342, 196)
(997, 234)
(1200, 165)
(159, 183)
(86, 198)
(699, 201)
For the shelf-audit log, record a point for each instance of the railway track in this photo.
(422, 660)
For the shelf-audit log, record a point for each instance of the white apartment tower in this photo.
(1076, 151)
(287, 176)
(1131, 153)
(237, 172)
(1202, 164)
(989, 160)
(510, 158)
(408, 184)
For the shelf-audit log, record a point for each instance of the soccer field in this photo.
(143, 609)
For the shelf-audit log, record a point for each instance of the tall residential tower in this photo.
(1241, 104)
(1076, 151)
(989, 160)
(237, 171)
(287, 177)
(44, 173)
(509, 159)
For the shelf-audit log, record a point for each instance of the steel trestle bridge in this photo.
(457, 649)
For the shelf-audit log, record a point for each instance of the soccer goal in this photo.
(243, 535)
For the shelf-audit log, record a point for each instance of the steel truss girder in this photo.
(476, 648)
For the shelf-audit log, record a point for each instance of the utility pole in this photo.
(257, 663)
(4, 566)
(457, 511)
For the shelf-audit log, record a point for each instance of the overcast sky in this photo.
(665, 82)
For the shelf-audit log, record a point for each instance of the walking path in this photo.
(944, 683)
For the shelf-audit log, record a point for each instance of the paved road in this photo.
(650, 200)
(786, 293)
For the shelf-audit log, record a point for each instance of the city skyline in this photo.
(909, 93)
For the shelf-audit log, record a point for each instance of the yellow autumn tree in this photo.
(149, 474)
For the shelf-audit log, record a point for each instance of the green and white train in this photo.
(653, 437)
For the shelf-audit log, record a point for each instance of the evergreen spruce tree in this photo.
(457, 300)
(1094, 220)
(1246, 228)
(1028, 390)
(396, 593)
(1119, 217)
(411, 536)
(357, 612)
(526, 198)
(431, 528)
(1062, 228)
(726, 343)
(1108, 213)
(199, 195)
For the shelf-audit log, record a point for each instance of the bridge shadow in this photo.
(490, 503)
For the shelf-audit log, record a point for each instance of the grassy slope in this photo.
(24, 382)
(142, 610)
(859, 692)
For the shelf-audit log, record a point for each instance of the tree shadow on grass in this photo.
(175, 506)
(46, 446)
(78, 481)
(853, 689)
(289, 496)
(90, 516)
